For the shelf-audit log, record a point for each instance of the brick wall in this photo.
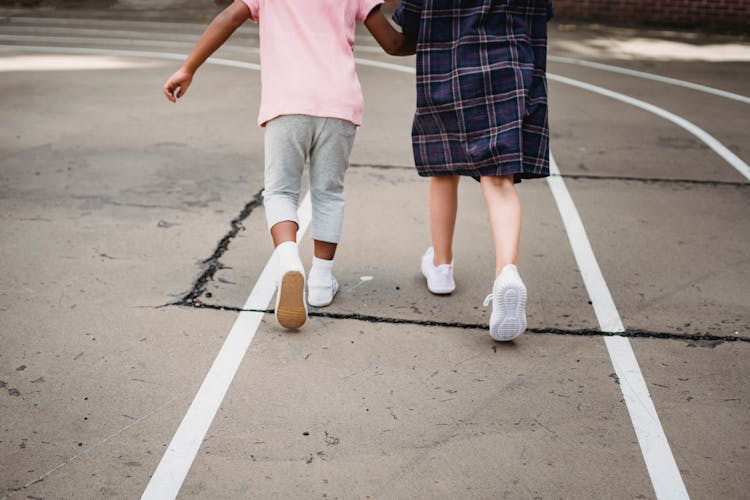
(733, 14)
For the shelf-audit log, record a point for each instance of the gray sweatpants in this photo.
(290, 141)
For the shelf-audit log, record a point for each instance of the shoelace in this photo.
(487, 300)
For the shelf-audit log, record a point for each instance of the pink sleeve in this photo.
(365, 7)
(254, 6)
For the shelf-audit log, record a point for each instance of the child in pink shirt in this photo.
(311, 104)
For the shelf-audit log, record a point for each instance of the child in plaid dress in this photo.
(481, 112)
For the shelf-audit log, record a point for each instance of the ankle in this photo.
(439, 259)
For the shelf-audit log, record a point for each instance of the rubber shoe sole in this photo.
(290, 301)
(508, 321)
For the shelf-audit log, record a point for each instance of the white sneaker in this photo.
(439, 278)
(321, 295)
(291, 308)
(508, 297)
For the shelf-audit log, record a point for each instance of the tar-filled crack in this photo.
(381, 167)
(582, 332)
(647, 180)
(652, 180)
(212, 264)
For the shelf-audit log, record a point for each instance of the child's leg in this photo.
(437, 261)
(329, 159)
(508, 318)
(324, 249)
(284, 231)
(287, 140)
(504, 208)
(443, 204)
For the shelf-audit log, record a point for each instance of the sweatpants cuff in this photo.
(325, 235)
(279, 211)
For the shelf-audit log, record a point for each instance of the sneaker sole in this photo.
(512, 315)
(441, 291)
(290, 304)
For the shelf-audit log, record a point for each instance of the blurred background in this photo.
(732, 16)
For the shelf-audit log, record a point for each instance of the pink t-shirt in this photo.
(307, 59)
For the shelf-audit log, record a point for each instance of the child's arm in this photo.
(215, 35)
(393, 42)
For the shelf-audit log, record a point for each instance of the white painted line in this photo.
(98, 40)
(378, 64)
(90, 50)
(68, 62)
(93, 33)
(373, 49)
(66, 21)
(143, 42)
(650, 76)
(701, 134)
(662, 468)
(601, 299)
(661, 465)
(141, 38)
(174, 465)
(130, 53)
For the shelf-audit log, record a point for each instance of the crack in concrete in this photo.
(582, 332)
(381, 166)
(191, 298)
(653, 180)
(647, 180)
(212, 264)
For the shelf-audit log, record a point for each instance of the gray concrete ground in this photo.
(112, 202)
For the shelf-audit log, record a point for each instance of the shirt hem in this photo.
(341, 115)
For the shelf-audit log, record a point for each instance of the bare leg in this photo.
(504, 208)
(443, 204)
(284, 231)
(325, 250)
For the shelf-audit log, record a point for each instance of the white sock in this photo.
(321, 271)
(288, 255)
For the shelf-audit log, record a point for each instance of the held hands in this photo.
(177, 84)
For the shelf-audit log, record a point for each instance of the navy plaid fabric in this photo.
(481, 86)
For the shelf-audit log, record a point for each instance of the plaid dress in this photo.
(481, 86)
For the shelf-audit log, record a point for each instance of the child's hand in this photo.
(177, 84)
